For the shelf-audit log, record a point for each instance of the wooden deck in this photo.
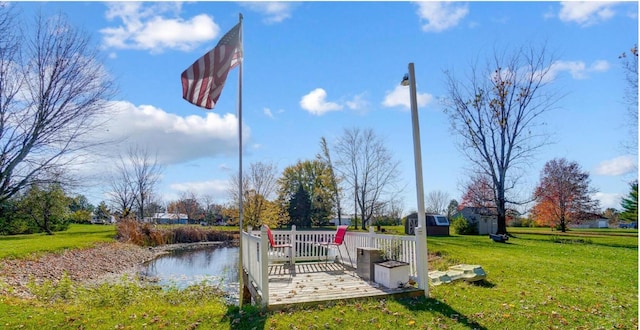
(318, 282)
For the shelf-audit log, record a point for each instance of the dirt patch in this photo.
(100, 263)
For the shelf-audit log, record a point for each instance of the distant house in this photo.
(343, 221)
(485, 218)
(97, 220)
(437, 225)
(591, 221)
(170, 218)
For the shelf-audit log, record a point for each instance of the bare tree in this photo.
(395, 209)
(122, 193)
(630, 67)
(134, 180)
(368, 169)
(146, 173)
(258, 186)
(325, 156)
(154, 205)
(496, 114)
(436, 201)
(52, 90)
(212, 210)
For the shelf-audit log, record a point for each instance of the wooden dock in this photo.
(319, 282)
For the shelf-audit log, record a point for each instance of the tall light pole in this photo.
(422, 261)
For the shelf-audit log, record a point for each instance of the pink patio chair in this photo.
(273, 245)
(337, 242)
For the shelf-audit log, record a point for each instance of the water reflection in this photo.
(211, 265)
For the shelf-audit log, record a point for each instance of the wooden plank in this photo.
(249, 285)
(314, 283)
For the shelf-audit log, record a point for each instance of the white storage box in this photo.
(392, 274)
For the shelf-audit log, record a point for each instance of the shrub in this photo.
(49, 291)
(14, 221)
(391, 250)
(522, 222)
(462, 227)
(80, 216)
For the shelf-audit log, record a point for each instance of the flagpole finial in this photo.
(240, 14)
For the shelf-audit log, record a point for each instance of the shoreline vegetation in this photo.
(105, 262)
(538, 279)
(146, 234)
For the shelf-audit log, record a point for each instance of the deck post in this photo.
(246, 292)
(422, 260)
(264, 266)
(292, 238)
(372, 237)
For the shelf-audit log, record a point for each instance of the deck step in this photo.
(469, 273)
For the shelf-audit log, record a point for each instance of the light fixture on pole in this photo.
(421, 231)
(405, 80)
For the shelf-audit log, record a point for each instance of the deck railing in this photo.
(257, 253)
(306, 246)
(255, 262)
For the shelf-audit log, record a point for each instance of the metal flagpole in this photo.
(240, 193)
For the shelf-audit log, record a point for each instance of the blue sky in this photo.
(312, 69)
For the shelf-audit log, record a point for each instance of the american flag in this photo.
(203, 81)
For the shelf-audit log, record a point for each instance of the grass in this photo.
(534, 281)
(77, 236)
(576, 231)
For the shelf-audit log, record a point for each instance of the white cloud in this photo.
(441, 15)
(358, 103)
(176, 139)
(315, 102)
(577, 69)
(217, 189)
(271, 113)
(586, 13)
(144, 27)
(618, 166)
(275, 12)
(608, 200)
(400, 97)
(600, 66)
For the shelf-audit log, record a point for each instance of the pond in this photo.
(214, 265)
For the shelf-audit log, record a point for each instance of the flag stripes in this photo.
(203, 81)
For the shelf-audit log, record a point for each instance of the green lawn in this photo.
(77, 236)
(536, 280)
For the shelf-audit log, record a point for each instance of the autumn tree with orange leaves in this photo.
(478, 193)
(563, 195)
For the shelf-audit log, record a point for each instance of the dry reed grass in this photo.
(145, 234)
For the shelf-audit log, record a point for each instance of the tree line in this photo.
(312, 192)
(54, 90)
